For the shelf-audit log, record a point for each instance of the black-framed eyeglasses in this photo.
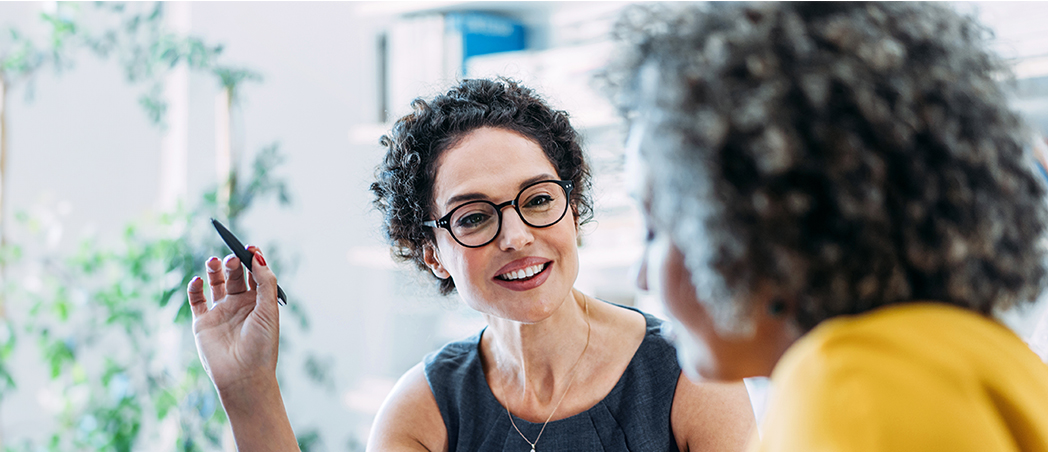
(477, 223)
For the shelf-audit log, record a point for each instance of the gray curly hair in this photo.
(846, 156)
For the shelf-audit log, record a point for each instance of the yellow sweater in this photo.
(913, 377)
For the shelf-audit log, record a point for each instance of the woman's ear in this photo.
(578, 224)
(432, 259)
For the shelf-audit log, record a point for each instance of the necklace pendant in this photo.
(532, 448)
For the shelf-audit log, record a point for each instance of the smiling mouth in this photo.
(523, 274)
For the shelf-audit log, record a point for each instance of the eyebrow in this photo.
(458, 199)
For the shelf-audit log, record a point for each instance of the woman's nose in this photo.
(515, 233)
(640, 270)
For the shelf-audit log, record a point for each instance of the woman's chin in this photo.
(528, 313)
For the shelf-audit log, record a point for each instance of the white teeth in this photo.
(523, 273)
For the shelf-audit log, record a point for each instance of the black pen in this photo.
(245, 256)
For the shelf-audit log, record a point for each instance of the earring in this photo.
(777, 307)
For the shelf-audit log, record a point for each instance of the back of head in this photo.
(847, 156)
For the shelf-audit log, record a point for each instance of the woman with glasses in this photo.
(484, 187)
(839, 196)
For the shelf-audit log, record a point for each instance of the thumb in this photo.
(266, 292)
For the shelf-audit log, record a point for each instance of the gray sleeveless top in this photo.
(634, 416)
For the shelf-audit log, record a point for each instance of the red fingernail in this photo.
(261, 260)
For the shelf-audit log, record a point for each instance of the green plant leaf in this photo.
(184, 315)
(164, 402)
(96, 296)
(58, 354)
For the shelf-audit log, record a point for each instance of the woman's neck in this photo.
(534, 363)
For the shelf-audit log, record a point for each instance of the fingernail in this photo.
(259, 258)
(252, 248)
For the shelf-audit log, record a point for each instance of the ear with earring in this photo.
(777, 307)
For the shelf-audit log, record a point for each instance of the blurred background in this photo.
(125, 126)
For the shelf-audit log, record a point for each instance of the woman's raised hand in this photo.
(237, 337)
(237, 340)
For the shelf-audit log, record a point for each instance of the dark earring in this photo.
(777, 307)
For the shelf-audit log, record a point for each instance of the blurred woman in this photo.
(839, 196)
(484, 187)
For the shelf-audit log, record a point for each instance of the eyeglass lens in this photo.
(476, 223)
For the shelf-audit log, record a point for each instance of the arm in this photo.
(409, 420)
(258, 418)
(711, 416)
(237, 339)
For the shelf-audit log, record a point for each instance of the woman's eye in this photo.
(472, 220)
(539, 200)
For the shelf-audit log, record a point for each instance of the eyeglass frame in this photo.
(445, 221)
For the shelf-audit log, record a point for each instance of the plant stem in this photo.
(3, 193)
(224, 149)
(3, 179)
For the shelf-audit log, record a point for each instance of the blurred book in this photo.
(425, 54)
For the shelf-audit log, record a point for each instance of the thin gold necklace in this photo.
(574, 368)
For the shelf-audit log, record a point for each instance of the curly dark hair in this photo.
(404, 180)
(847, 156)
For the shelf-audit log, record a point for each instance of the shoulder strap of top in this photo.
(456, 377)
(642, 400)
